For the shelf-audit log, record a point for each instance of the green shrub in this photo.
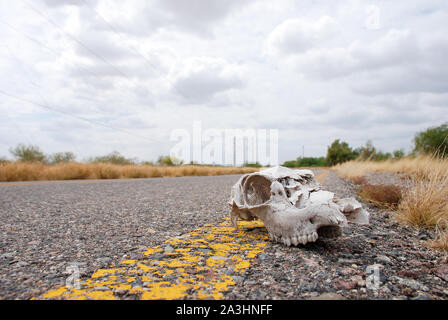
(169, 161)
(398, 154)
(339, 152)
(306, 162)
(433, 140)
(62, 157)
(28, 153)
(252, 165)
(290, 164)
(114, 157)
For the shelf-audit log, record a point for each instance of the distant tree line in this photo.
(339, 152)
(252, 164)
(32, 153)
(306, 162)
(432, 141)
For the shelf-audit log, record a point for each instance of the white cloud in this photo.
(145, 17)
(396, 47)
(94, 44)
(61, 3)
(202, 79)
(311, 69)
(299, 35)
(196, 15)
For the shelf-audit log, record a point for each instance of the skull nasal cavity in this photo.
(257, 190)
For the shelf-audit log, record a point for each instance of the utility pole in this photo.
(234, 151)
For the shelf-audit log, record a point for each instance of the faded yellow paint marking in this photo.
(55, 293)
(145, 268)
(103, 272)
(201, 264)
(151, 251)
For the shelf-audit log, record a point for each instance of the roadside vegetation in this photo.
(340, 152)
(423, 202)
(31, 163)
(382, 196)
(306, 162)
(24, 171)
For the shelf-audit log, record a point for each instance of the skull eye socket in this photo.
(261, 190)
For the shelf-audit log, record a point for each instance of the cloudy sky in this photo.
(96, 76)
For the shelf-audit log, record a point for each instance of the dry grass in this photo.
(32, 171)
(441, 240)
(424, 202)
(382, 196)
(359, 180)
(420, 166)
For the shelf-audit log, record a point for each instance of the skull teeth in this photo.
(303, 239)
(314, 237)
(295, 240)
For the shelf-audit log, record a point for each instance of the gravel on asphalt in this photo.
(45, 227)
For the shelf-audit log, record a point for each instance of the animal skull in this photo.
(292, 206)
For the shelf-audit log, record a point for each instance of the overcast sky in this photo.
(136, 70)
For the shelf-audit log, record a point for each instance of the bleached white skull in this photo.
(292, 206)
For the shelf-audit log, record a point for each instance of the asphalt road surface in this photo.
(165, 238)
(47, 225)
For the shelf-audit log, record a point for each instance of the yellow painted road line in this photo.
(194, 266)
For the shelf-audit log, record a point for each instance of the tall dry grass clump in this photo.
(380, 195)
(441, 240)
(425, 204)
(424, 201)
(10, 171)
(18, 171)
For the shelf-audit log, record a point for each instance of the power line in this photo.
(55, 53)
(134, 48)
(72, 115)
(23, 66)
(80, 42)
(18, 127)
(41, 44)
(71, 141)
(38, 86)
